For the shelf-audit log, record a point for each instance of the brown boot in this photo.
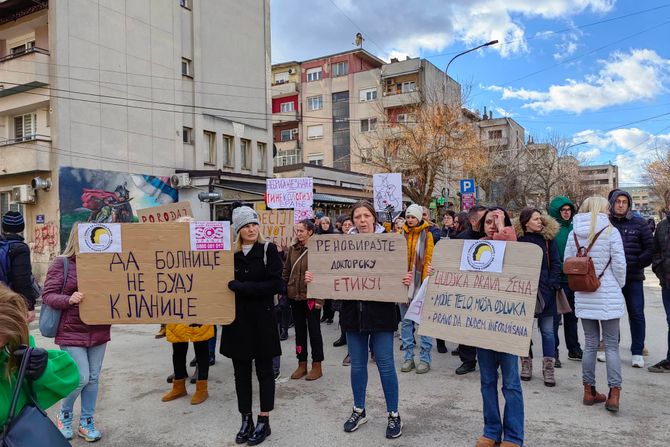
(591, 396)
(526, 368)
(300, 372)
(178, 390)
(612, 403)
(201, 393)
(509, 444)
(548, 371)
(315, 372)
(485, 442)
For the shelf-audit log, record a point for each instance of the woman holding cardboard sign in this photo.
(374, 322)
(253, 336)
(498, 226)
(306, 311)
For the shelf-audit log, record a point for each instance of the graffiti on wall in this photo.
(45, 238)
(88, 195)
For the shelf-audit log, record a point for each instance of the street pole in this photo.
(447, 169)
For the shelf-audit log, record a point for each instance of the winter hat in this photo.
(414, 210)
(243, 216)
(319, 215)
(12, 222)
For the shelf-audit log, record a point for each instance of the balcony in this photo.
(284, 88)
(288, 145)
(285, 117)
(288, 157)
(391, 100)
(496, 142)
(23, 155)
(27, 68)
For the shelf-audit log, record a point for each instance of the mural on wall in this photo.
(88, 195)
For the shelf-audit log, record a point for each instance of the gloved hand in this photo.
(236, 286)
(37, 363)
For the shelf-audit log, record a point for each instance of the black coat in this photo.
(254, 332)
(661, 256)
(638, 244)
(21, 273)
(550, 275)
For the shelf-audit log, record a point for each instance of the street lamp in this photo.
(576, 144)
(493, 42)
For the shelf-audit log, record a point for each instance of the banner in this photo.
(295, 193)
(479, 308)
(277, 226)
(387, 191)
(165, 213)
(358, 267)
(157, 277)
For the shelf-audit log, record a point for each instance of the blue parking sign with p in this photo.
(467, 186)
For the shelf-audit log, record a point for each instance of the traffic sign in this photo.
(468, 186)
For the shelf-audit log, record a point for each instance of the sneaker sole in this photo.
(396, 436)
(638, 366)
(360, 422)
(658, 370)
(87, 439)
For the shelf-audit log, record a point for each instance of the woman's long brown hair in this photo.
(13, 325)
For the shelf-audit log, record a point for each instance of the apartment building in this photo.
(101, 103)
(599, 179)
(645, 201)
(503, 136)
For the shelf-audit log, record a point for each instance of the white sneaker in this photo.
(638, 361)
(601, 356)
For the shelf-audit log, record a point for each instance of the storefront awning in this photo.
(329, 198)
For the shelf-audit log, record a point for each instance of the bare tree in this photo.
(658, 175)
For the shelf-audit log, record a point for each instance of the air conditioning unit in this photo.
(291, 71)
(23, 194)
(179, 181)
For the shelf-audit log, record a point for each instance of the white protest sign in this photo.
(297, 193)
(99, 238)
(483, 256)
(414, 309)
(387, 191)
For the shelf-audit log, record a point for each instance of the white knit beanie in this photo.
(414, 210)
(242, 216)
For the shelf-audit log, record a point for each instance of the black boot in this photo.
(262, 431)
(340, 342)
(441, 346)
(246, 430)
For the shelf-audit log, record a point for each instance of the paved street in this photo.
(438, 408)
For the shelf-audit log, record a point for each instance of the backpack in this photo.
(580, 270)
(6, 267)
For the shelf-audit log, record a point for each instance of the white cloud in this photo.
(589, 154)
(624, 77)
(502, 112)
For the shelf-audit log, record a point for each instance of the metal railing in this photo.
(23, 53)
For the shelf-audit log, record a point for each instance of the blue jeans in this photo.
(89, 361)
(665, 293)
(633, 292)
(546, 325)
(407, 334)
(511, 428)
(569, 325)
(382, 345)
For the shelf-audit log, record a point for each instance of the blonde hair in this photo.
(594, 205)
(13, 325)
(70, 248)
(237, 245)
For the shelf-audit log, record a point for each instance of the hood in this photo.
(555, 206)
(618, 193)
(549, 231)
(582, 224)
(378, 229)
(419, 228)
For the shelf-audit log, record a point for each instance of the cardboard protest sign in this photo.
(165, 213)
(387, 191)
(482, 308)
(358, 267)
(277, 226)
(295, 193)
(157, 277)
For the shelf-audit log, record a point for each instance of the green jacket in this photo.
(566, 226)
(60, 378)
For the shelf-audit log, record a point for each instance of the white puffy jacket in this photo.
(607, 302)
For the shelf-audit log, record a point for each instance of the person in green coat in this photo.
(563, 210)
(53, 373)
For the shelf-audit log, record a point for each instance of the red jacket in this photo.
(71, 330)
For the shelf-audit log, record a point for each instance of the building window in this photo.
(288, 134)
(495, 134)
(340, 69)
(366, 155)
(406, 118)
(315, 103)
(314, 74)
(20, 49)
(368, 94)
(245, 146)
(407, 87)
(368, 125)
(287, 158)
(186, 68)
(287, 107)
(316, 159)
(187, 135)
(262, 154)
(25, 127)
(185, 4)
(315, 132)
(281, 77)
(210, 147)
(228, 150)
(6, 205)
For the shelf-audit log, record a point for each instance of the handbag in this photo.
(50, 317)
(32, 426)
(562, 303)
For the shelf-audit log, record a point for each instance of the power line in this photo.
(356, 26)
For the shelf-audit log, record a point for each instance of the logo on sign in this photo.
(209, 236)
(98, 238)
(467, 186)
(481, 255)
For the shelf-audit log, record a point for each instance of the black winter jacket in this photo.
(21, 272)
(661, 256)
(254, 333)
